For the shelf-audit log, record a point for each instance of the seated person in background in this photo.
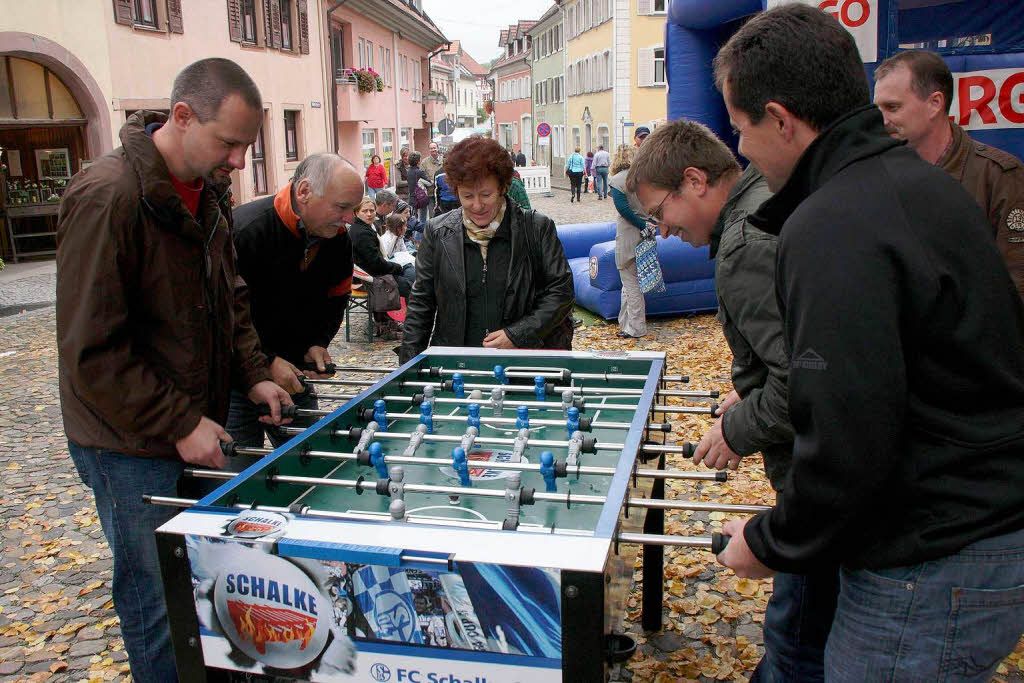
(444, 199)
(468, 289)
(366, 252)
(393, 240)
(386, 203)
(294, 254)
(413, 227)
(517, 191)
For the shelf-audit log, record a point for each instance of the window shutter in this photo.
(123, 12)
(267, 31)
(235, 20)
(275, 23)
(645, 6)
(303, 13)
(645, 66)
(175, 24)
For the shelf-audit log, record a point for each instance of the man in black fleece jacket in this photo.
(294, 253)
(906, 384)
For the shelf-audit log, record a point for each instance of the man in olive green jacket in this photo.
(688, 181)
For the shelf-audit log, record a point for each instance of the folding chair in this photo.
(359, 300)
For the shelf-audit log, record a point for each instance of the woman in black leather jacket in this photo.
(490, 273)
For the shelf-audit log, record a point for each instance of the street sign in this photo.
(543, 130)
(543, 142)
(628, 123)
(446, 126)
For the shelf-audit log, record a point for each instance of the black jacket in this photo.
(745, 285)
(366, 251)
(906, 381)
(539, 296)
(298, 287)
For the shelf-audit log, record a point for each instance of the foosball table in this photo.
(469, 517)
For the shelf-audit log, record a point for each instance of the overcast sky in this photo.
(478, 23)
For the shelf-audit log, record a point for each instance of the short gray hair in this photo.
(386, 197)
(317, 169)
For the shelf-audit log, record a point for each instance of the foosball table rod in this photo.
(716, 542)
(545, 405)
(519, 388)
(527, 496)
(561, 470)
(564, 375)
(589, 444)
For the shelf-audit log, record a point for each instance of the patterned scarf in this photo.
(483, 236)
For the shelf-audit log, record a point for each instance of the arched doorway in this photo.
(53, 118)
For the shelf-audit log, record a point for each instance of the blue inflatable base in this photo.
(590, 248)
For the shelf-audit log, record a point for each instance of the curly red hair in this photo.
(474, 159)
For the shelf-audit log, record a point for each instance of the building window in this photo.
(286, 24)
(659, 66)
(259, 166)
(369, 146)
(291, 135)
(603, 137)
(248, 21)
(362, 52)
(387, 144)
(145, 13)
(337, 52)
(660, 5)
(369, 54)
(576, 138)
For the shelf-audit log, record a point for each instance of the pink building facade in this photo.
(512, 90)
(396, 44)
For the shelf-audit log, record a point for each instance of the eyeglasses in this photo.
(655, 216)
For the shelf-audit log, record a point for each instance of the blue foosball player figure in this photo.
(380, 412)
(377, 459)
(573, 423)
(461, 466)
(474, 416)
(522, 417)
(427, 417)
(499, 374)
(458, 386)
(539, 389)
(547, 470)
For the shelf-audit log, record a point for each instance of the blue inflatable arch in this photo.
(981, 40)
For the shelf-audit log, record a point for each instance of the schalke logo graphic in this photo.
(380, 672)
(393, 616)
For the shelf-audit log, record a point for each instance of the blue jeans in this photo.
(601, 181)
(951, 619)
(244, 426)
(118, 482)
(371, 192)
(796, 627)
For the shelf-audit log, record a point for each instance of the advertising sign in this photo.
(859, 17)
(988, 100)
(340, 620)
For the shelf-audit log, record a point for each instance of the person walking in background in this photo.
(431, 165)
(520, 158)
(444, 197)
(376, 176)
(517, 191)
(602, 160)
(419, 198)
(588, 172)
(574, 166)
(401, 177)
(628, 234)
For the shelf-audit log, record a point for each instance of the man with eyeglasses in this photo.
(692, 187)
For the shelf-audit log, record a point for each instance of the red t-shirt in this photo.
(189, 194)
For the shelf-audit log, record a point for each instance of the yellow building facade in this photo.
(614, 71)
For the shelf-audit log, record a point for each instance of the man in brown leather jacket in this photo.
(914, 90)
(151, 332)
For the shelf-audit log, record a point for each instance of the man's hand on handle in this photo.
(319, 356)
(737, 555)
(285, 375)
(274, 397)
(202, 446)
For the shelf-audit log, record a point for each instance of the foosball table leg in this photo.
(583, 619)
(177, 577)
(654, 559)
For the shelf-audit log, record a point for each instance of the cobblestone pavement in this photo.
(589, 210)
(27, 286)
